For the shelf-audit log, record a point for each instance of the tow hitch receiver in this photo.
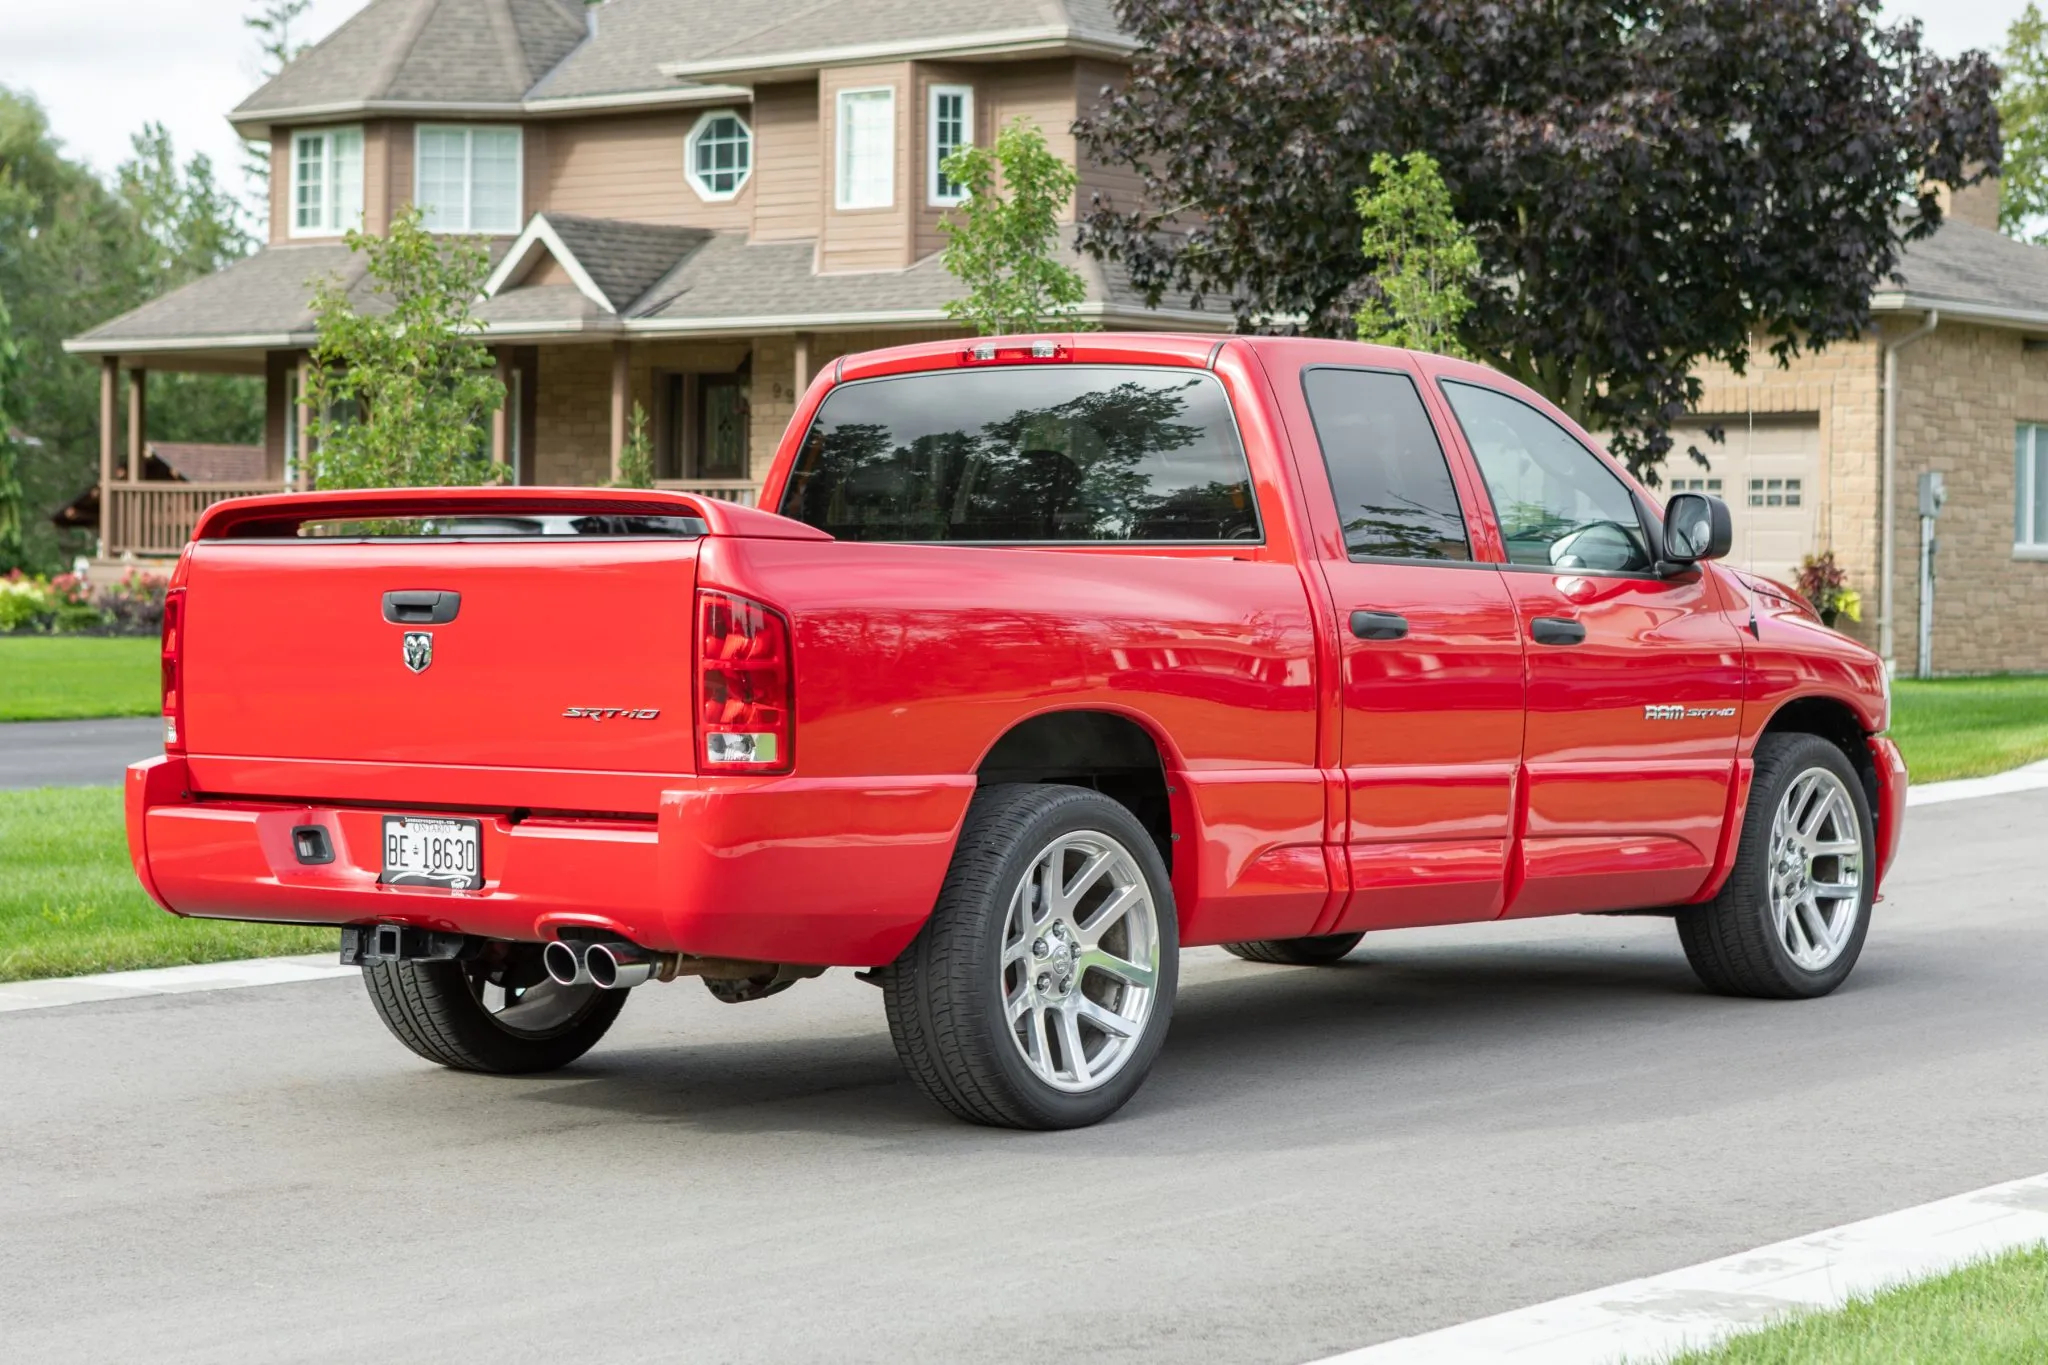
(398, 943)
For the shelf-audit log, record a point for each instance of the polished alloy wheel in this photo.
(1816, 869)
(1080, 960)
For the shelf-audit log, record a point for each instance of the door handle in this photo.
(1557, 630)
(1379, 625)
(426, 608)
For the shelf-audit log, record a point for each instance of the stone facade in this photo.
(1962, 391)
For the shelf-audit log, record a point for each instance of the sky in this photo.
(102, 68)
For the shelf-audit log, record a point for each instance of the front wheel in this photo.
(1790, 922)
(1039, 992)
(497, 1012)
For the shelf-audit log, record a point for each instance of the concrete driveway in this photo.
(1453, 1124)
(75, 753)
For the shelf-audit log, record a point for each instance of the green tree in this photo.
(1423, 259)
(636, 457)
(1003, 244)
(401, 386)
(2023, 118)
(13, 552)
(76, 251)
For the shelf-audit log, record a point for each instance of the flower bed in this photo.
(68, 605)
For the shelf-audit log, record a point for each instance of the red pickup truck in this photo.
(1056, 655)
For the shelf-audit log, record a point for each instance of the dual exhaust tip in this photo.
(610, 964)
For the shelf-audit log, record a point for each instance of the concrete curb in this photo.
(1656, 1317)
(209, 976)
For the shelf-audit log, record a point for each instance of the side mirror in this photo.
(1696, 527)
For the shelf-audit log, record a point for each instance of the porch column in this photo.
(803, 363)
(277, 413)
(138, 418)
(302, 447)
(501, 420)
(110, 414)
(622, 394)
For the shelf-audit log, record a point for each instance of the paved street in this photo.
(75, 753)
(1457, 1123)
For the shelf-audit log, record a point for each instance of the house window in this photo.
(1774, 492)
(327, 182)
(2030, 501)
(952, 127)
(719, 155)
(468, 179)
(1712, 486)
(867, 149)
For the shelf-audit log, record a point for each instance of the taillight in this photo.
(174, 680)
(744, 686)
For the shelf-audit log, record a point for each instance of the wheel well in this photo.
(1834, 722)
(1110, 753)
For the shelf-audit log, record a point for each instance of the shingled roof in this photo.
(481, 52)
(1971, 272)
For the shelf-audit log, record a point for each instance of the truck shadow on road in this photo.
(1411, 1027)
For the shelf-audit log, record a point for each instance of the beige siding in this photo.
(927, 216)
(280, 187)
(631, 167)
(788, 166)
(1041, 93)
(865, 239)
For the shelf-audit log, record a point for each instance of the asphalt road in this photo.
(75, 753)
(1455, 1123)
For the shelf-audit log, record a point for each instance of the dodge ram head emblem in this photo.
(419, 649)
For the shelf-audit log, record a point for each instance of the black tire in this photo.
(944, 994)
(1320, 950)
(1731, 941)
(437, 1009)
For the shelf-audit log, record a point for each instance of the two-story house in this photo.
(691, 206)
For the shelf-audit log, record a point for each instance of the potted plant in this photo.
(1822, 583)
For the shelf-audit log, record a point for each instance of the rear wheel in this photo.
(498, 1012)
(1318, 951)
(1790, 922)
(1038, 994)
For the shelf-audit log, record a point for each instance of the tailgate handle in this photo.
(421, 608)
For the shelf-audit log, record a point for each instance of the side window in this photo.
(1558, 504)
(1387, 470)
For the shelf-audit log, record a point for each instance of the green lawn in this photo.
(73, 677)
(1969, 727)
(69, 901)
(1992, 1313)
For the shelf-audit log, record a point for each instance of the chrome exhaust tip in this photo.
(566, 962)
(619, 966)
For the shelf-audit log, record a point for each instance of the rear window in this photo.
(1029, 454)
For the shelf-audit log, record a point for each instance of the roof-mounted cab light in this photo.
(1015, 353)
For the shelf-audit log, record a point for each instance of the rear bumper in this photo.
(841, 872)
(1891, 802)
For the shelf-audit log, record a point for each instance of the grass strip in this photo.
(1970, 727)
(1991, 1312)
(78, 677)
(70, 904)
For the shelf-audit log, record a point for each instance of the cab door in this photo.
(1429, 652)
(1634, 680)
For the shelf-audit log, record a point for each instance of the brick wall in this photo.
(1962, 392)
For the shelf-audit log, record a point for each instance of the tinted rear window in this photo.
(1050, 453)
(1387, 471)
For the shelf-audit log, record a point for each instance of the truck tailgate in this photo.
(289, 655)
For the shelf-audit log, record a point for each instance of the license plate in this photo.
(433, 853)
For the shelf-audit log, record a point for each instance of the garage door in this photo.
(1769, 475)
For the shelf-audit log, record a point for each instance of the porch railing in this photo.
(741, 491)
(157, 518)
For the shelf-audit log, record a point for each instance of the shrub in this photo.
(24, 604)
(134, 606)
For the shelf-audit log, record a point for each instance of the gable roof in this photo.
(1971, 274)
(611, 261)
